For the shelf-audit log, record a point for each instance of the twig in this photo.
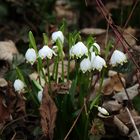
(74, 123)
(125, 90)
(121, 126)
(116, 31)
(13, 138)
(133, 123)
(10, 123)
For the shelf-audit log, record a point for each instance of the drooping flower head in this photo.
(46, 52)
(40, 95)
(98, 63)
(18, 85)
(95, 45)
(56, 35)
(78, 50)
(30, 56)
(85, 65)
(118, 57)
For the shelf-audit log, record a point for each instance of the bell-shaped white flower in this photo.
(98, 63)
(103, 110)
(56, 35)
(18, 85)
(97, 47)
(46, 52)
(40, 95)
(30, 55)
(118, 57)
(78, 50)
(85, 65)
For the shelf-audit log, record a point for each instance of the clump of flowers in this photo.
(52, 66)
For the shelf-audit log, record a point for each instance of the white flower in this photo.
(56, 35)
(78, 50)
(40, 95)
(85, 65)
(55, 48)
(118, 57)
(98, 63)
(18, 85)
(46, 52)
(103, 110)
(97, 47)
(31, 55)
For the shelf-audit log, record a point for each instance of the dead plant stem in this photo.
(133, 123)
(74, 123)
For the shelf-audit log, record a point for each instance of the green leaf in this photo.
(20, 75)
(32, 41)
(125, 68)
(136, 102)
(45, 38)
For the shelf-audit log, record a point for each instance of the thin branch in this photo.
(133, 123)
(125, 90)
(116, 31)
(74, 123)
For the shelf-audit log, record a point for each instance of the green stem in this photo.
(62, 69)
(56, 68)
(38, 71)
(86, 128)
(95, 101)
(68, 70)
(48, 70)
(44, 76)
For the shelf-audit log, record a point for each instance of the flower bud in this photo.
(96, 46)
(18, 85)
(118, 57)
(46, 52)
(103, 111)
(40, 95)
(31, 55)
(56, 35)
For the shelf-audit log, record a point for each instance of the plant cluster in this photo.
(75, 104)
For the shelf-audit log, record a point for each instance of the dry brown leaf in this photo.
(124, 117)
(7, 50)
(7, 101)
(3, 82)
(108, 86)
(48, 112)
(113, 83)
(112, 105)
(92, 31)
(97, 127)
(5, 114)
(20, 106)
(132, 92)
(60, 88)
